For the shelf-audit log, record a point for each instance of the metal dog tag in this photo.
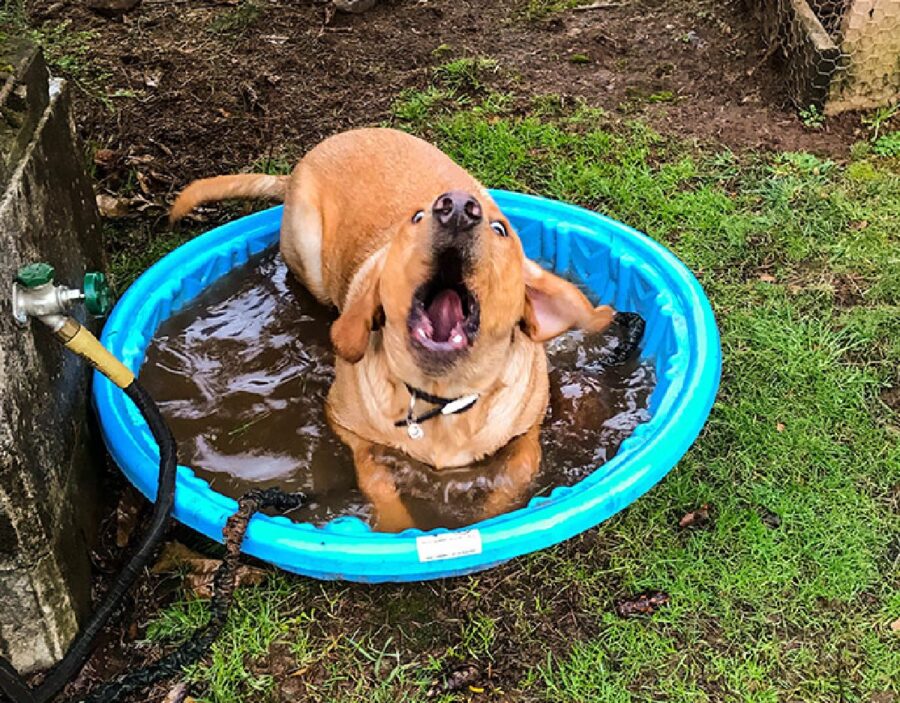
(415, 431)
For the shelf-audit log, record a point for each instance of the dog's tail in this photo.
(243, 185)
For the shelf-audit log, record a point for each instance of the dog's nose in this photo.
(457, 209)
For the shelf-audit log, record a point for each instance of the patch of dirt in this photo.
(210, 87)
(891, 398)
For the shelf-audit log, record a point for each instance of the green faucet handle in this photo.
(34, 275)
(97, 294)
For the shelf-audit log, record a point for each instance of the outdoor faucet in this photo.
(34, 294)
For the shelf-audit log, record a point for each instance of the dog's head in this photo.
(452, 288)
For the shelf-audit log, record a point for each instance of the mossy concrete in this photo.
(47, 467)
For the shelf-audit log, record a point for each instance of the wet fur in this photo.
(347, 233)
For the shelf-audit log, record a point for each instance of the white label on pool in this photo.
(448, 545)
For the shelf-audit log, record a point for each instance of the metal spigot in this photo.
(34, 294)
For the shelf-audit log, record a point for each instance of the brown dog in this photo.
(442, 317)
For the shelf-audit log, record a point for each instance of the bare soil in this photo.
(211, 86)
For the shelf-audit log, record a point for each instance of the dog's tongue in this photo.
(445, 312)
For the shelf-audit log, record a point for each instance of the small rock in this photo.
(355, 6)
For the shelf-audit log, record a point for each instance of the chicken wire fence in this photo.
(838, 54)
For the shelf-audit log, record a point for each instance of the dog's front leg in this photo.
(521, 459)
(376, 481)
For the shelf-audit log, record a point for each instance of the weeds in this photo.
(879, 118)
(237, 20)
(812, 117)
(465, 74)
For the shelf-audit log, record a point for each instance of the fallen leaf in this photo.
(177, 694)
(143, 182)
(111, 206)
(201, 585)
(767, 278)
(643, 604)
(151, 80)
(139, 159)
(105, 158)
(895, 626)
(201, 571)
(176, 556)
(139, 203)
(695, 518)
(779, 427)
(161, 177)
(127, 512)
(455, 680)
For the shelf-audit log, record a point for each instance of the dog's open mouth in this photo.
(444, 312)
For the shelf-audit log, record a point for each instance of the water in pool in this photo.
(242, 374)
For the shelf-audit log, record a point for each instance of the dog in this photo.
(442, 318)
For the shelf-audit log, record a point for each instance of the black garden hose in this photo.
(633, 333)
(11, 683)
(224, 583)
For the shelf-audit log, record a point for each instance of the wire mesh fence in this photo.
(838, 54)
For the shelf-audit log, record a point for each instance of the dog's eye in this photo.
(418, 216)
(499, 228)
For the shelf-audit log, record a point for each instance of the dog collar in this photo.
(443, 406)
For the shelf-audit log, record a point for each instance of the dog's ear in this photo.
(362, 311)
(553, 305)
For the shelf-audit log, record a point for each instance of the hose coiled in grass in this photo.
(224, 583)
(13, 686)
(11, 683)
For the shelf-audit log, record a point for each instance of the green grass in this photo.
(541, 9)
(467, 73)
(132, 251)
(236, 20)
(887, 144)
(788, 594)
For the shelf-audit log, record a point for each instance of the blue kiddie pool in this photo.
(618, 265)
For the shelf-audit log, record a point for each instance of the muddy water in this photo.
(242, 374)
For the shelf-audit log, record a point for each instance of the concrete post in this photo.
(47, 468)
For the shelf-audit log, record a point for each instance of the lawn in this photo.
(789, 591)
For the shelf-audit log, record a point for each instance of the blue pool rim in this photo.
(618, 265)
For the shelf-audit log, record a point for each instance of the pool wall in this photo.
(618, 265)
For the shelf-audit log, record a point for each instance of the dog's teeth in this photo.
(421, 333)
(457, 338)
